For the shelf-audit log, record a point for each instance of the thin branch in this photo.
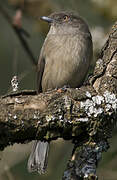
(15, 24)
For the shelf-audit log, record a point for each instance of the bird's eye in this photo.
(66, 18)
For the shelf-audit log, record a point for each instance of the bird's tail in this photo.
(39, 157)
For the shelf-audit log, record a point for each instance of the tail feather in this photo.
(39, 157)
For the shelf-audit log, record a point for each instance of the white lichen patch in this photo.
(50, 118)
(60, 117)
(107, 107)
(111, 100)
(15, 117)
(86, 176)
(82, 119)
(88, 105)
(98, 99)
(98, 111)
(14, 83)
(88, 94)
(95, 105)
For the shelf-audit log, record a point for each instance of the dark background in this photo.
(100, 15)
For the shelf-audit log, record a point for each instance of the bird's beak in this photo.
(47, 19)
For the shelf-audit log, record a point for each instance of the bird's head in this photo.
(65, 22)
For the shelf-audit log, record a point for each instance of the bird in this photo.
(65, 60)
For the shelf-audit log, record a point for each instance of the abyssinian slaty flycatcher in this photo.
(65, 58)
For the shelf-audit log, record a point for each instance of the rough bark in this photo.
(85, 115)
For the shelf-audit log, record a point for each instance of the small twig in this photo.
(17, 22)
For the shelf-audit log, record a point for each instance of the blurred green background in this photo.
(100, 15)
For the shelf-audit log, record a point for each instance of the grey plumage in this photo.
(37, 160)
(65, 59)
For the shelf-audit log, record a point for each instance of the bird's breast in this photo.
(64, 61)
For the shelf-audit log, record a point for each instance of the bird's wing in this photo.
(41, 66)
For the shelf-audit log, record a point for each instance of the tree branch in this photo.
(85, 115)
